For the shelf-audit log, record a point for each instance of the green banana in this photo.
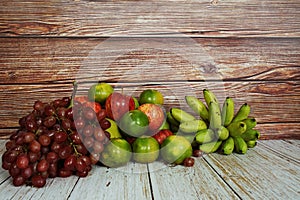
(242, 113)
(214, 115)
(240, 146)
(210, 147)
(197, 106)
(251, 134)
(204, 136)
(180, 115)
(250, 122)
(192, 126)
(222, 133)
(251, 143)
(237, 128)
(227, 111)
(228, 146)
(209, 96)
(171, 119)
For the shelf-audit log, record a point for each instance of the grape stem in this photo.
(75, 86)
(75, 150)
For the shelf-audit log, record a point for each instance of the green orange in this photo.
(151, 96)
(116, 153)
(145, 150)
(134, 123)
(99, 92)
(175, 149)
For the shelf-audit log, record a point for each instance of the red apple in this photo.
(155, 114)
(117, 105)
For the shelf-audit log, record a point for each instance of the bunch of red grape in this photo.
(57, 139)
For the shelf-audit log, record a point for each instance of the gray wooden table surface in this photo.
(269, 171)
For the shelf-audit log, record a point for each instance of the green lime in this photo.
(116, 153)
(134, 123)
(175, 149)
(151, 96)
(99, 92)
(145, 150)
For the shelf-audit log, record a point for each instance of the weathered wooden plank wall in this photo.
(248, 49)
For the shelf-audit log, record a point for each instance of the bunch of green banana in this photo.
(224, 129)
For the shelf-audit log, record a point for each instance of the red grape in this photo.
(81, 149)
(60, 137)
(22, 161)
(82, 174)
(88, 130)
(101, 115)
(29, 137)
(27, 172)
(52, 157)
(14, 170)
(35, 146)
(75, 138)
(44, 140)
(64, 173)
(80, 165)
(38, 181)
(189, 162)
(65, 152)
(89, 113)
(48, 143)
(49, 121)
(70, 162)
(42, 166)
(98, 147)
(49, 110)
(34, 156)
(105, 124)
(99, 134)
(19, 180)
(79, 122)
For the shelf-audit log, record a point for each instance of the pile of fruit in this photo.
(67, 136)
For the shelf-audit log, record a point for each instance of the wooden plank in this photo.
(44, 60)
(128, 182)
(284, 148)
(105, 18)
(260, 173)
(3, 173)
(275, 131)
(198, 182)
(294, 142)
(60, 188)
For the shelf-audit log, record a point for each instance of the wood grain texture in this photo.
(275, 131)
(260, 173)
(285, 148)
(213, 176)
(45, 60)
(198, 182)
(274, 104)
(128, 182)
(60, 188)
(105, 18)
